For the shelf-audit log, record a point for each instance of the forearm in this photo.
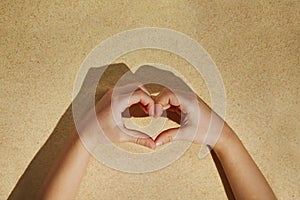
(64, 178)
(246, 180)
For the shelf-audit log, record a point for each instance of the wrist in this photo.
(225, 140)
(84, 143)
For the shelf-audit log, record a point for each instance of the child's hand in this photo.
(109, 116)
(195, 118)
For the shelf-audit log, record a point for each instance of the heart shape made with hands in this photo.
(98, 113)
(121, 101)
(169, 114)
(176, 107)
(152, 121)
(95, 109)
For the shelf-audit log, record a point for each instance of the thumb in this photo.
(166, 136)
(138, 137)
(173, 134)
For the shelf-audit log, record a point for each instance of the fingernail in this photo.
(151, 110)
(158, 144)
(158, 110)
(166, 107)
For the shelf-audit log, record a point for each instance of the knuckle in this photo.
(140, 141)
(170, 138)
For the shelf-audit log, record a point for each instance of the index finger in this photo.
(139, 96)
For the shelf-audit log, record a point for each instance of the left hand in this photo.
(196, 117)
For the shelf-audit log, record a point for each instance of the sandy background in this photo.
(255, 45)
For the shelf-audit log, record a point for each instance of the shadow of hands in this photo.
(96, 92)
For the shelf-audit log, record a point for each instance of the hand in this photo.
(196, 117)
(109, 116)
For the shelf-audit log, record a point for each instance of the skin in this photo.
(246, 180)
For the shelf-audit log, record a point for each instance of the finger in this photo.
(137, 137)
(173, 134)
(156, 110)
(166, 136)
(184, 101)
(147, 142)
(142, 97)
(126, 100)
(166, 98)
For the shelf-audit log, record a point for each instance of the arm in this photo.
(64, 178)
(246, 180)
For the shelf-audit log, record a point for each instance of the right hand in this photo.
(109, 116)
